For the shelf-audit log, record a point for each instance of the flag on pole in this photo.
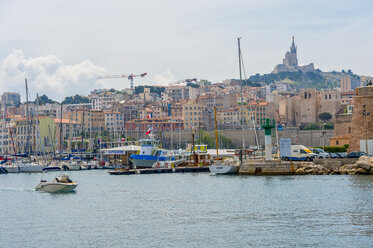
(149, 131)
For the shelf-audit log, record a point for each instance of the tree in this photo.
(325, 116)
(41, 100)
(75, 99)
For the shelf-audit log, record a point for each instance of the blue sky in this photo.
(61, 46)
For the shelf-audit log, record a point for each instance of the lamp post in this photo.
(365, 114)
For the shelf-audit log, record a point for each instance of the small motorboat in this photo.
(61, 183)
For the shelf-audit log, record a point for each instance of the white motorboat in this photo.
(61, 183)
(92, 164)
(71, 165)
(31, 167)
(224, 164)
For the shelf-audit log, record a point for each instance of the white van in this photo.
(299, 153)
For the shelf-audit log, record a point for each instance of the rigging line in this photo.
(234, 63)
(243, 67)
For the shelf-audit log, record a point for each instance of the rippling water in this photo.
(188, 210)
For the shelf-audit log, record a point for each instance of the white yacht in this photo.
(224, 164)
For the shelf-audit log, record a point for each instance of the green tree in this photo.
(210, 141)
(42, 100)
(325, 116)
(75, 99)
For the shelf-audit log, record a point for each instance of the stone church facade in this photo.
(290, 62)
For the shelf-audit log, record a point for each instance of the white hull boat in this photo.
(60, 184)
(56, 187)
(31, 168)
(223, 169)
(11, 168)
(224, 164)
(72, 166)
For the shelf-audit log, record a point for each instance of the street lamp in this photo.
(365, 114)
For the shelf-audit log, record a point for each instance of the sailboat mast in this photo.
(61, 150)
(27, 123)
(242, 119)
(216, 133)
(2, 129)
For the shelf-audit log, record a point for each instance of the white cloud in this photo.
(48, 75)
(164, 78)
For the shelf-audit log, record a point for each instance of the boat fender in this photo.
(158, 165)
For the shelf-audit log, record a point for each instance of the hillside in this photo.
(317, 79)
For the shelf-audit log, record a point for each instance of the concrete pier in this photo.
(262, 167)
(189, 169)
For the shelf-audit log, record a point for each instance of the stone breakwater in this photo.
(347, 166)
(362, 166)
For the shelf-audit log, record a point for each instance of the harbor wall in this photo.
(308, 138)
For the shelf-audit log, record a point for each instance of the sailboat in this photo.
(223, 164)
(28, 166)
(229, 164)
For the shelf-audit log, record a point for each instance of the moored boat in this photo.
(224, 164)
(149, 154)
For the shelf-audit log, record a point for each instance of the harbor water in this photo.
(188, 210)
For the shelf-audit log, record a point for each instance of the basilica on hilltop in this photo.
(290, 62)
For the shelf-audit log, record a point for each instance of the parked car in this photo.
(342, 154)
(356, 154)
(333, 155)
(320, 153)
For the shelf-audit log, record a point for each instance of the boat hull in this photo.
(145, 161)
(31, 168)
(56, 187)
(74, 167)
(223, 169)
(12, 169)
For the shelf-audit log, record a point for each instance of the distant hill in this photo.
(317, 79)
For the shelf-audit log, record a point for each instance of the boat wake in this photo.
(16, 190)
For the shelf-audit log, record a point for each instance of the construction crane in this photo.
(129, 77)
(184, 81)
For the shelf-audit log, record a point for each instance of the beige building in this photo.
(68, 130)
(114, 121)
(362, 125)
(193, 115)
(7, 137)
(92, 120)
(37, 134)
(342, 130)
(348, 83)
(306, 107)
(176, 93)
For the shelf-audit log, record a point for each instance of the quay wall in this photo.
(308, 138)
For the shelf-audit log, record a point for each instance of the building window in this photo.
(337, 142)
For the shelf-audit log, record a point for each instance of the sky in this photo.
(61, 46)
